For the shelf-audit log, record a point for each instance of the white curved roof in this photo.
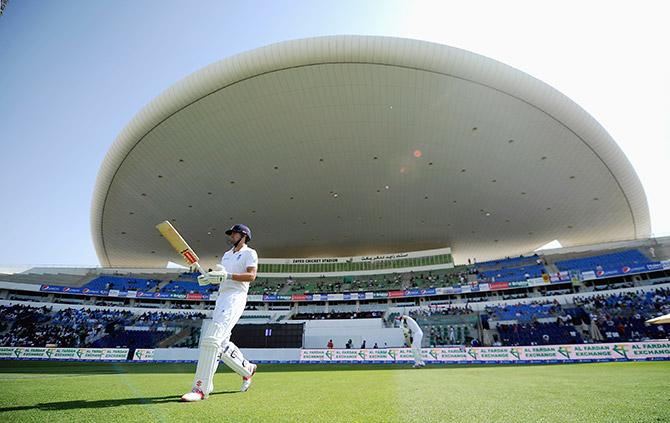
(300, 140)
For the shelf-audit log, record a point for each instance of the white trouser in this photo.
(417, 336)
(215, 341)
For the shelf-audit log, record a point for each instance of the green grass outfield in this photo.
(613, 392)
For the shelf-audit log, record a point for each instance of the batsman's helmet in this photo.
(240, 229)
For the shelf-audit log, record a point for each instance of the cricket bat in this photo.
(170, 233)
(660, 320)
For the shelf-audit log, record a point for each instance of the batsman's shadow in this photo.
(104, 403)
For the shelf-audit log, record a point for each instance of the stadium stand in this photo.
(608, 309)
(523, 312)
(604, 261)
(186, 287)
(503, 270)
(122, 283)
(41, 326)
(600, 317)
(621, 316)
(338, 315)
(538, 334)
(508, 262)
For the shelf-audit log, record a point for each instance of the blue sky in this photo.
(74, 73)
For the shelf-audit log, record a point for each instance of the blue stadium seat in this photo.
(605, 261)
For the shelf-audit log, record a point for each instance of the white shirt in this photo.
(412, 325)
(237, 262)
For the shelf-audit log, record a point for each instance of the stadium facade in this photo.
(350, 146)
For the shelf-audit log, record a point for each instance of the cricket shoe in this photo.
(246, 380)
(419, 365)
(194, 395)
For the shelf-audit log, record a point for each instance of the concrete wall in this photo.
(252, 354)
(319, 332)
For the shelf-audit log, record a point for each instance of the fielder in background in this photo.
(413, 336)
(237, 269)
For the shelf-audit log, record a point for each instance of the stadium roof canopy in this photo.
(351, 145)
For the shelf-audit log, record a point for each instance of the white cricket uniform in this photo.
(232, 294)
(215, 337)
(452, 335)
(417, 336)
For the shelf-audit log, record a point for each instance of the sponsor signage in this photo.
(316, 260)
(79, 354)
(301, 297)
(651, 350)
(498, 285)
(600, 273)
(195, 296)
(142, 354)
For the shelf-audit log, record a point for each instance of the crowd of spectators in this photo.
(604, 317)
(587, 319)
(622, 316)
(448, 310)
(335, 315)
(524, 311)
(350, 345)
(147, 285)
(461, 275)
(597, 318)
(76, 327)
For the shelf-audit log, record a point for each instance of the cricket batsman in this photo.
(413, 336)
(237, 269)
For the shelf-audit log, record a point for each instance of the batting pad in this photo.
(212, 336)
(232, 356)
(416, 346)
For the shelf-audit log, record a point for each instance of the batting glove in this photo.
(218, 276)
(203, 280)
